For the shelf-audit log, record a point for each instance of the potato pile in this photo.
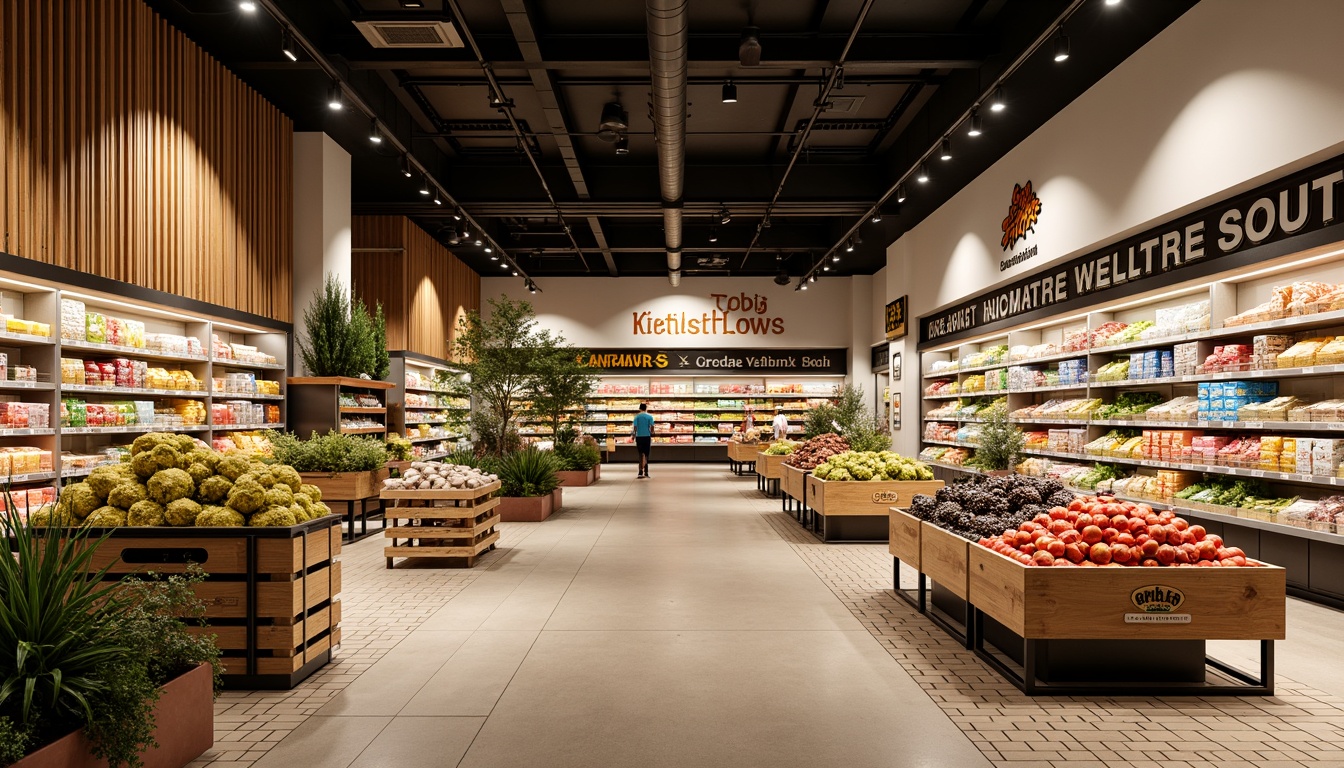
(174, 480)
(432, 476)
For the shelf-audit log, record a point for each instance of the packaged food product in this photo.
(95, 327)
(72, 320)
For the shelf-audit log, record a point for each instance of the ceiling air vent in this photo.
(410, 34)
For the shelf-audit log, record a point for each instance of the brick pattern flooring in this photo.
(380, 608)
(1298, 727)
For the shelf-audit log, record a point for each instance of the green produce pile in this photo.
(1131, 332)
(1226, 492)
(871, 465)
(1098, 473)
(173, 480)
(1128, 404)
(781, 448)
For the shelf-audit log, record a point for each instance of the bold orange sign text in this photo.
(1023, 213)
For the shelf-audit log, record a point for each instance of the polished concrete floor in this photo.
(655, 622)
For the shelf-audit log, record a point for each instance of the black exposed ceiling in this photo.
(916, 66)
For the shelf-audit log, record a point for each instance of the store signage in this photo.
(886, 497)
(733, 315)
(1186, 248)
(881, 358)
(744, 361)
(895, 321)
(1024, 210)
(1157, 598)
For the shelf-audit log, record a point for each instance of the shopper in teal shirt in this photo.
(643, 437)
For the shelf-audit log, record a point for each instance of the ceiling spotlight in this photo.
(1112, 2)
(945, 151)
(623, 145)
(406, 166)
(248, 6)
(287, 45)
(457, 214)
(515, 273)
(923, 175)
(488, 249)
(503, 264)
(725, 215)
(900, 193)
(825, 267)
(438, 199)
(977, 127)
(729, 93)
(412, 4)
(782, 278)
(803, 287)
(765, 223)
(849, 245)
(614, 122)
(334, 101)
(494, 257)
(453, 238)
(713, 234)
(1061, 46)
(749, 49)
(999, 101)
(531, 287)
(812, 278)
(374, 135)
(477, 241)
(835, 257)
(424, 185)
(876, 218)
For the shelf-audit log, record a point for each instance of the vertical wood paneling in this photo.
(424, 287)
(127, 152)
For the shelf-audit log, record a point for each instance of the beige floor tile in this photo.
(472, 681)
(420, 742)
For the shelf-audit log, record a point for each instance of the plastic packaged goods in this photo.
(1186, 318)
(1077, 340)
(943, 366)
(1299, 298)
(1116, 370)
(1332, 353)
(1105, 331)
(1303, 353)
(72, 320)
(1275, 409)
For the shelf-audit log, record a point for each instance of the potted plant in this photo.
(577, 460)
(528, 485)
(1000, 443)
(97, 673)
(342, 338)
(344, 467)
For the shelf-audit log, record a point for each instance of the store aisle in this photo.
(653, 623)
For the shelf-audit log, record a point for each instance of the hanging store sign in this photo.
(1024, 210)
(895, 321)
(1305, 207)
(751, 362)
(881, 358)
(733, 315)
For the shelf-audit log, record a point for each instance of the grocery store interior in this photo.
(793, 383)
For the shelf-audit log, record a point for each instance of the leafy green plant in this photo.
(1001, 442)
(332, 452)
(13, 741)
(868, 435)
(399, 448)
(576, 457)
(528, 472)
(464, 456)
(342, 338)
(560, 382)
(382, 361)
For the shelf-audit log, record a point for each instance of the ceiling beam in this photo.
(541, 209)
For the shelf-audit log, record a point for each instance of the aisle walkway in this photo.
(654, 623)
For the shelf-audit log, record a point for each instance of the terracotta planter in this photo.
(347, 486)
(526, 509)
(577, 478)
(184, 728)
(597, 472)
(557, 499)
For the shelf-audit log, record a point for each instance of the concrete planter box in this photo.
(557, 499)
(526, 509)
(578, 478)
(184, 719)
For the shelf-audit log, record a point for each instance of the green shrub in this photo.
(528, 472)
(13, 741)
(332, 452)
(463, 456)
(576, 457)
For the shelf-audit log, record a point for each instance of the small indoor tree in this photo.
(562, 382)
(342, 338)
(1000, 443)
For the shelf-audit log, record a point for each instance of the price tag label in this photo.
(1157, 618)
(1257, 473)
(1255, 425)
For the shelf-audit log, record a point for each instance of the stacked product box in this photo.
(1204, 449)
(1073, 371)
(1067, 440)
(1265, 350)
(1185, 359)
(1168, 444)
(1152, 364)
(1220, 400)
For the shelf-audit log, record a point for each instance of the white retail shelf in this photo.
(25, 340)
(137, 352)
(245, 396)
(439, 437)
(1048, 388)
(25, 432)
(227, 427)
(1057, 420)
(1215, 469)
(30, 477)
(1056, 357)
(132, 429)
(226, 363)
(97, 390)
(28, 385)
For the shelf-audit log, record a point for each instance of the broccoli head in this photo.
(169, 485)
(288, 476)
(320, 510)
(279, 496)
(300, 514)
(266, 479)
(247, 496)
(144, 465)
(313, 491)
(219, 517)
(184, 443)
(103, 479)
(214, 489)
(232, 467)
(147, 441)
(80, 500)
(146, 513)
(199, 473)
(196, 456)
(303, 500)
(106, 517)
(126, 494)
(182, 512)
(273, 517)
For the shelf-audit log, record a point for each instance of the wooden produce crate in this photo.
(271, 594)
(855, 510)
(945, 557)
(742, 454)
(793, 487)
(353, 490)
(456, 525)
(770, 467)
(903, 536)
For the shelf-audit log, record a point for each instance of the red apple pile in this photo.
(1100, 532)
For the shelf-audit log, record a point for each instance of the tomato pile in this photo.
(1094, 531)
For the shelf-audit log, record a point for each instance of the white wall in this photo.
(321, 217)
(593, 312)
(1234, 93)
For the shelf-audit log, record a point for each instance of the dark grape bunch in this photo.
(986, 507)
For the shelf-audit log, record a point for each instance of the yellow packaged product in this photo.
(1303, 353)
(1332, 353)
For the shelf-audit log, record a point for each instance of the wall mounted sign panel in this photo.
(748, 362)
(896, 317)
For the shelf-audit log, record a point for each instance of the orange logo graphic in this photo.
(1022, 215)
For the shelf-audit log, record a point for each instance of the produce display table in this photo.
(355, 490)
(793, 487)
(1093, 631)
(456, 525)
(770, 471)
(742, 457)
(858, 510)
(270, 593)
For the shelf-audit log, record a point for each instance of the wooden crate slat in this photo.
(903, 538)
(317, 549)
(470, 551)
(944, 556)
(223, 599)
(865, 497)
(227, 638)
(280, 555)
(220, 556)
(336, 610)
(279, 637)
(400, 512)
(440, 532)
(335, 588)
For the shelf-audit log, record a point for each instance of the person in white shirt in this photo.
(780, 425)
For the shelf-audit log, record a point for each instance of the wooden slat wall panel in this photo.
(436, 287)
(127, 152)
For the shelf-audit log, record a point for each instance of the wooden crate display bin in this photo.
(864, 497)
(792, 481)
(770, 467)
(456, 524)
(903, 539)
(271, 594)
(744, 453)
(1042, 603)
(944, 557)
